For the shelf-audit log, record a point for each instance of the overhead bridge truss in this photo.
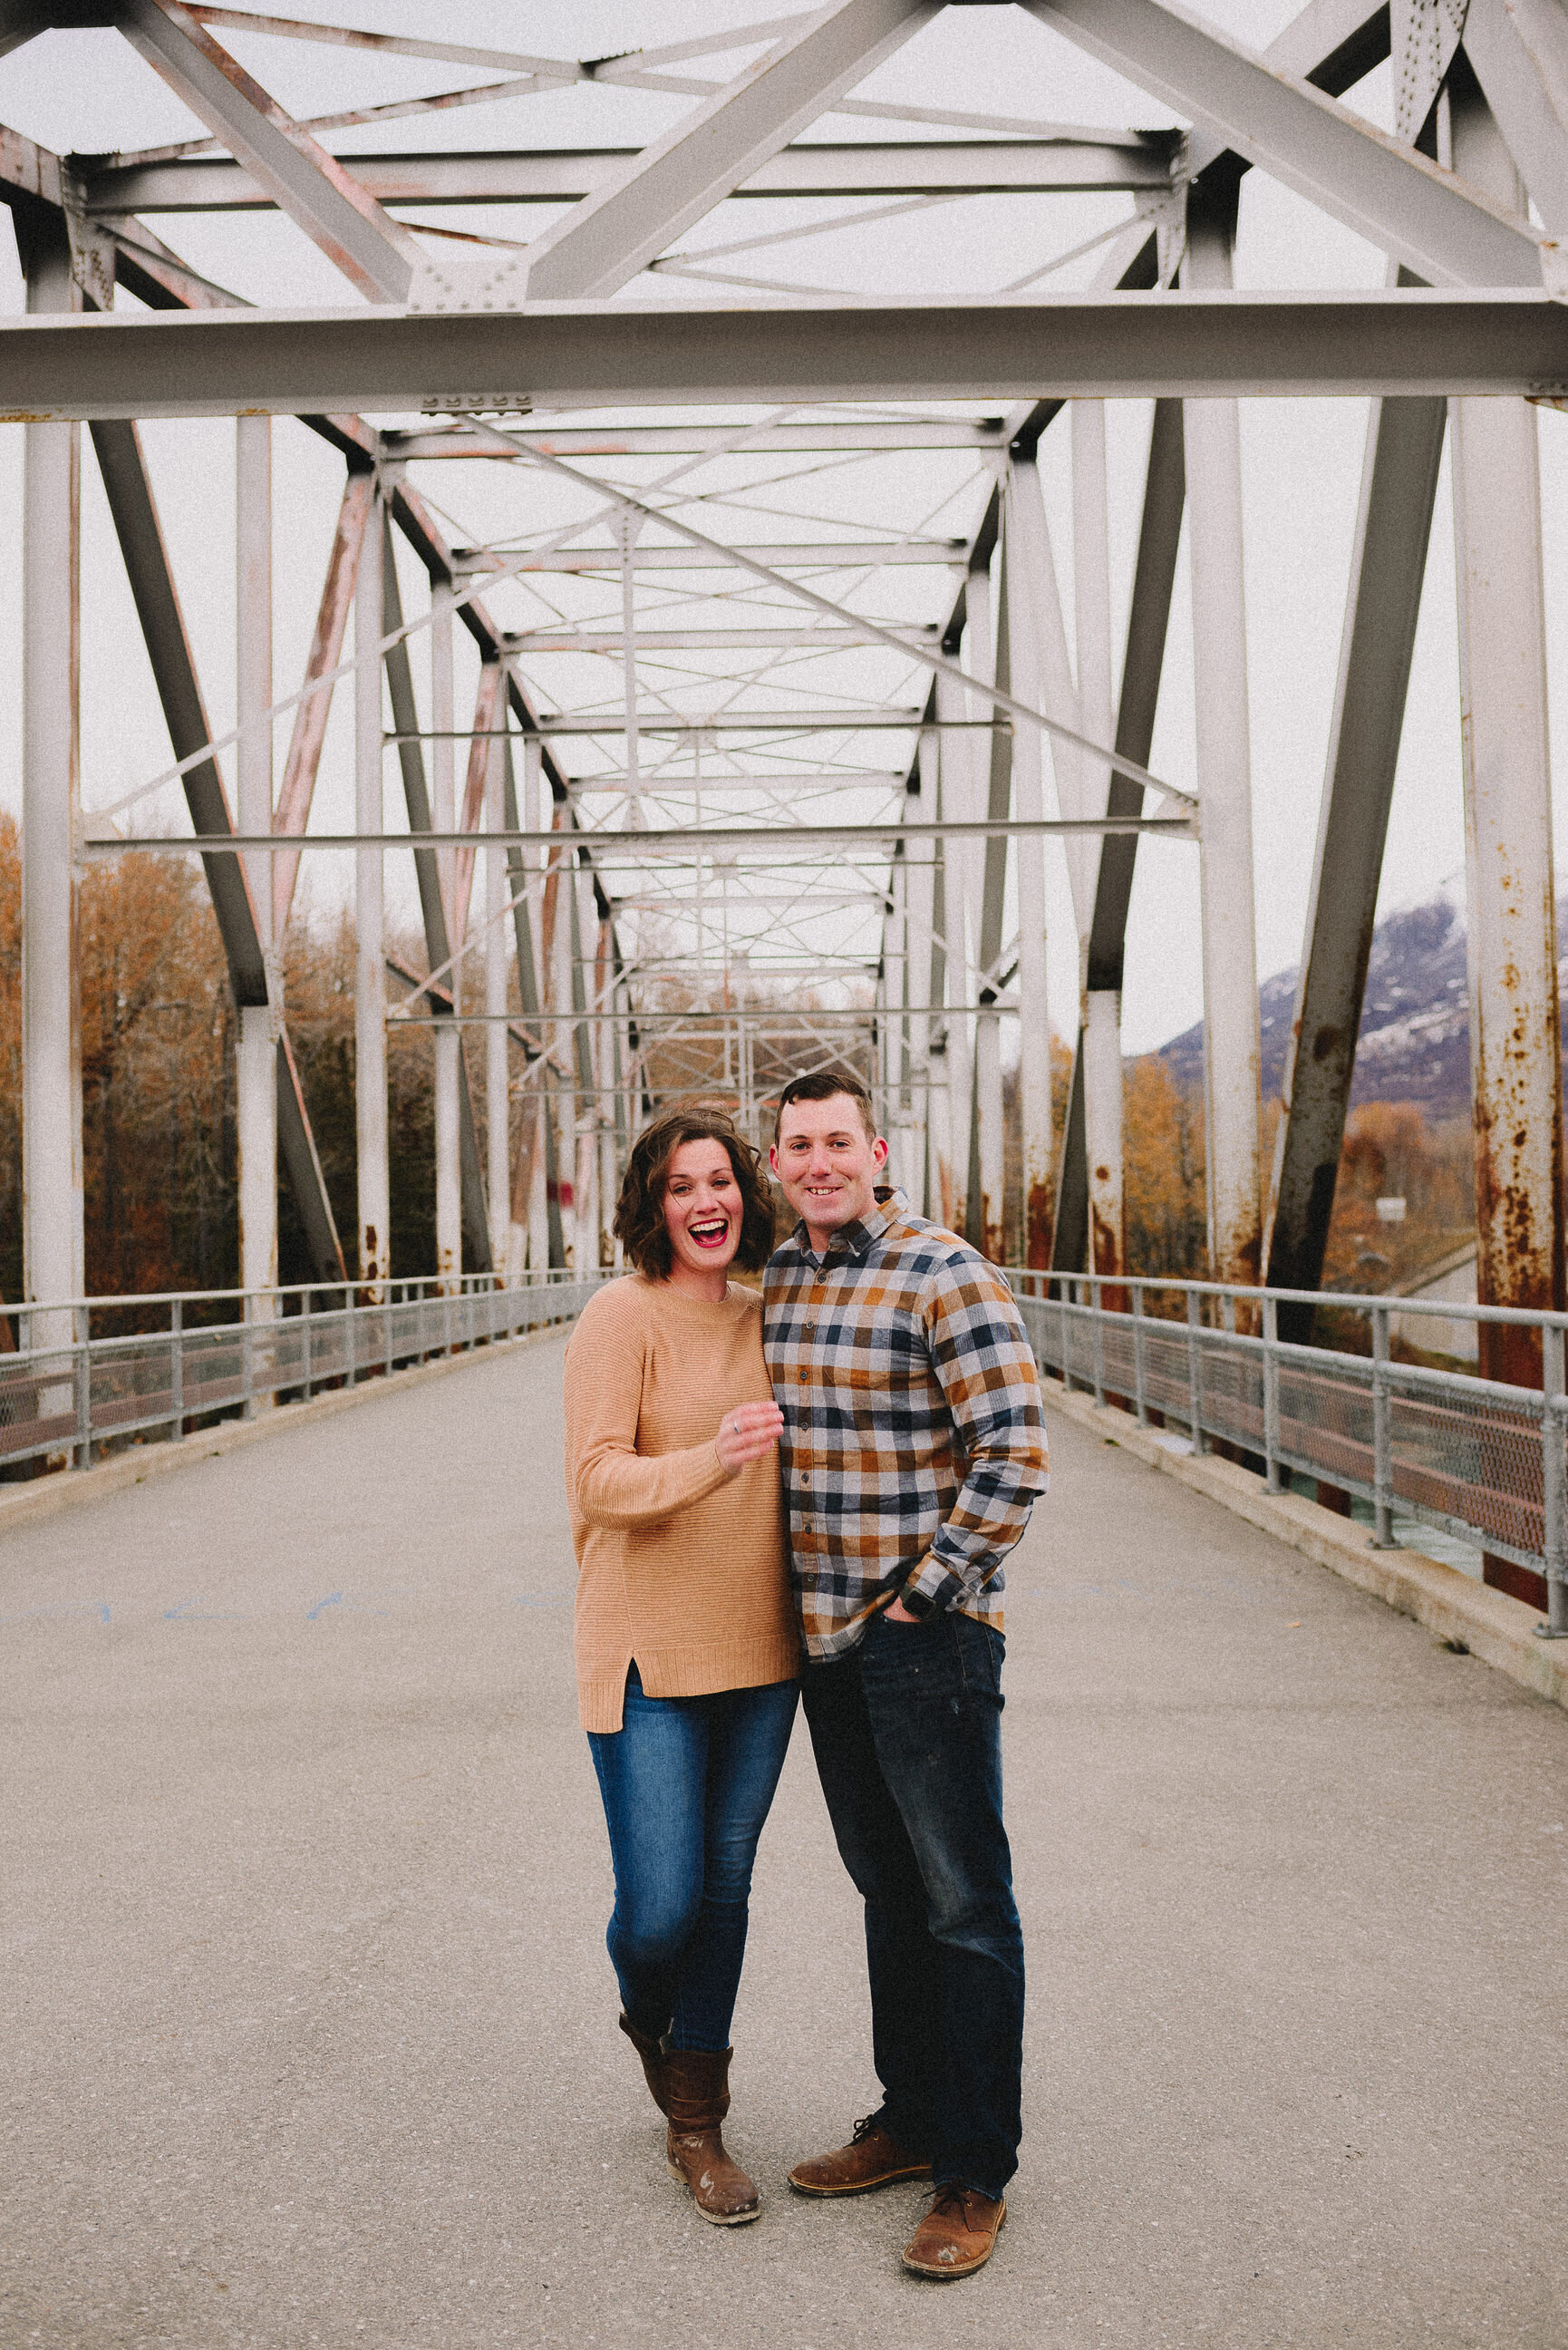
(730, 730)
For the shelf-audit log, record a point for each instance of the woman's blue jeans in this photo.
(686, 1783)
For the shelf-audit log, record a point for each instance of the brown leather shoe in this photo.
(872, 2158)
(696, 2082)
(958, 2234)
(653, 2063)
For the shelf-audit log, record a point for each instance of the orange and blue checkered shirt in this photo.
(914, 1438)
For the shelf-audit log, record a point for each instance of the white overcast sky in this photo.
(88, 92)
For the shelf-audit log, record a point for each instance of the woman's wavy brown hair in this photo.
(639, 1210)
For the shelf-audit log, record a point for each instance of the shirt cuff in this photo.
(931, 1589)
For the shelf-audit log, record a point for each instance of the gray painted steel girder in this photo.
(1450, 232)
(1112, 345)
(1399, 483)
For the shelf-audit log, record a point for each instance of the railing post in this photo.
(351, 1334)
(1272, 1396)
(1382, 1444)
(1097, 1327)
(304, 1339)
(1139, 1385)
(1552, 1485)
(177, 1367)
(247, 1360)
(1195, 1368)
(81, 1367)
(387, 1322)
(1062, 1322)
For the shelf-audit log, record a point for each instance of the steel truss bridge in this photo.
(747, 771)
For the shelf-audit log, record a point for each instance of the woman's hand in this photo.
(746, 1433)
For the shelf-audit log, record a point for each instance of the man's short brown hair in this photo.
(640, 1211)
(821, 1085)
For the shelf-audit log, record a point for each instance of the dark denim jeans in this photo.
(907, 1732)
(686, 1783)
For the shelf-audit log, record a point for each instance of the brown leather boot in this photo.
(958, 2234)
(652, 2055)
(872, 2158)
(697, 2084)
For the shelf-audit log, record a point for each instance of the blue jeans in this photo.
(686, 1783)
(906, 1729)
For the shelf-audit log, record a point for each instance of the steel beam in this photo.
(1450, 232)
(613, 233)
(1232, 1054)
(298, 787)
(257, 1045)
(1111, 346)
(1398, 486)
(469, 1187)
(497, 1102)
(1154, 580)
(1519, 50)
(322, 198)
(1028, 781)
(987, 1222)
(373, 1175)
(128, 490)
(1101, 1019)
(52, 1242)
(742, 642)
(902, 167)
(1511, 944)
(846, 555)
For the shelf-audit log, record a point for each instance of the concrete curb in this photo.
(71, 1487)
(1498, 1629)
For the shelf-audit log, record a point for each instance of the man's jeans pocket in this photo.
(947, 1659)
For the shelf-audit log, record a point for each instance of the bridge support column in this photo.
(448, 1034)
(1211, 434)
(497, 1103)
(1021, 590)
(52, 1243)
(1515, 1064)
(257, 1053)
(1101, 1023)
(957, 1124)
(374, 1179)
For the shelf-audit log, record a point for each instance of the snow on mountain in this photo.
(1415, 1026)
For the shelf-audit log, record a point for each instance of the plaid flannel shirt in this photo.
(914, 1440)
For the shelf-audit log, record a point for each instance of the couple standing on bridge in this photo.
(810, 1491)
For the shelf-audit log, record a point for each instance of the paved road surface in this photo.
(311, 2033)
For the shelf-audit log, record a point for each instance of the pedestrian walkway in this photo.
(311, 2034)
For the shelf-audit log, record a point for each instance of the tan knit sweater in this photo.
(680, 1564)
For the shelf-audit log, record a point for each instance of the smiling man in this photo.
(913, 1452)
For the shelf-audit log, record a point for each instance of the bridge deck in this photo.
(311, 2031)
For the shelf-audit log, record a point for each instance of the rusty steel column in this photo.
(920, 903)
(374, 1181)
(1515, 1065)
(1211, 433)
(52, 1243)
(257, 1053)
(497, 1107)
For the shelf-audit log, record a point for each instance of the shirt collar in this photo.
(854, 1240)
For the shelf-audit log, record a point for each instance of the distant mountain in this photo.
(1414, 1040)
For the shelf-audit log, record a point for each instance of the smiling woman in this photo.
(686, 1642)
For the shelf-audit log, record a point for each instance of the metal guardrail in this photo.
(1485, 1461)
(67, 1392)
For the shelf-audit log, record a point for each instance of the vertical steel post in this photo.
(1032, 685)
(1102, 1007)
(1555, 1535)
(957, 804)
(257, 1052)
(247, 1360)
(919, 905)
(369, 916)
(78, 1321)
(177, 1368)
(497, 1105)
(53, 1249)
(1382, 1436)
(1140, 1376)
(1271, 1477)
(448, 1034)
(1195, 1368)
(1510, 935)
(985, 870)
(1230, 1041)
(1097, 1329)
